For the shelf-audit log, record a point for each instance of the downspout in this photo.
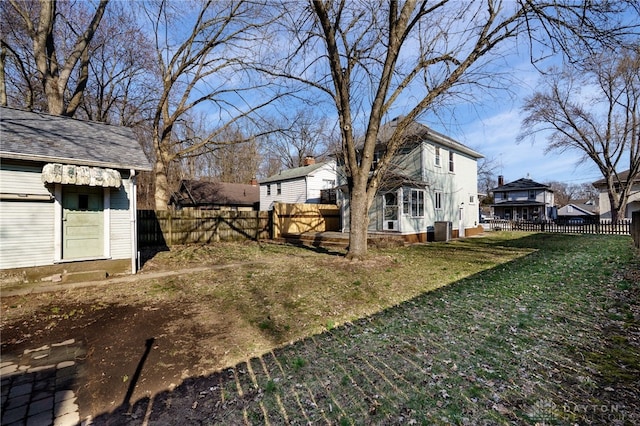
(133, 207)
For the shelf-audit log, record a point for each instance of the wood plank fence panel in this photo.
(300, 218)
(200, 226)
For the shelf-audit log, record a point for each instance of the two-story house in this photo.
(523, 199)
(633, 202)
(298, 185)
(431, 179)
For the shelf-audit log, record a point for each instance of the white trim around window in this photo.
(413, 202)
(437, 200)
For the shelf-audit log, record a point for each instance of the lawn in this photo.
(509, 328)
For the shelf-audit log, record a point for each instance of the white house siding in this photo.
(27, 236)
(26, 227)
(319, 180)
(633, 203)
(293, 191)
(121, 221)
(456, 187)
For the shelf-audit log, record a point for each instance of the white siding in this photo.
(319, 180)
(292, 191)
(26, 227)
(457, 187)
(632, 202)
(121, 222)
(304, 189)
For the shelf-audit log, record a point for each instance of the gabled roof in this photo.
(43, 137)
(579, 209)
(295, 173)
(418, 132)
(520, 185)
(195, 192)
(622, 177)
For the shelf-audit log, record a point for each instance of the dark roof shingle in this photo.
(521, 184)
(198, 193)
(49, 138)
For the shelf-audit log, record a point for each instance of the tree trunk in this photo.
(161, 194)
(3, 84)
(617, 210)
(161, 171)
(358, 225)
(361, 197)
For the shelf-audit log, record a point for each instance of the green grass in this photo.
(511, 328)
(541, 339)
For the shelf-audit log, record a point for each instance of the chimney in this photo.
(500, 180)
(254, 182)
(308, 160)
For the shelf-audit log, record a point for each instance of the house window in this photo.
(472, 199)
(451, 161)
(532, 194)
(268, 189)
(437, 159)
(413, 202)
(83, 202)
(438, 200)
(376, 158)
(279, 188)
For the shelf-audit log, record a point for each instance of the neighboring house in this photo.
(633, 203)
(432, 179)
(205, 195)
(523, 199)
(67, 191)
(579, 211)
(299, 185)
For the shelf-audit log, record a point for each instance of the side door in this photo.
(82, 222)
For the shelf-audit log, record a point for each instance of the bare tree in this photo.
(202, 55)
(60, 49)
(122, 83)
(594, 109)
(374, 59)
(306, 133)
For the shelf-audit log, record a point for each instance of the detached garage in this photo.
(67, 192)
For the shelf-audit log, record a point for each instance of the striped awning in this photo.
(81, 175)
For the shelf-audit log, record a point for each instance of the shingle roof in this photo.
(220, 193)
(521, 184)
(43, 137)
(416, 132)
(294, 173)
(622, 177)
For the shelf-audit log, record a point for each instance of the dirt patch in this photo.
(115, 339)
(372, 342)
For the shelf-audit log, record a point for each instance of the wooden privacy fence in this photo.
(157, 228)
(623, 227)
(301, 218)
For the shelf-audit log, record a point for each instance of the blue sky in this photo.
(492, 125)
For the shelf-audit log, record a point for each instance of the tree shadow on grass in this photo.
(463, 353)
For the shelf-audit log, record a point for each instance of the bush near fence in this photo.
(623, 227)
(167, 228)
